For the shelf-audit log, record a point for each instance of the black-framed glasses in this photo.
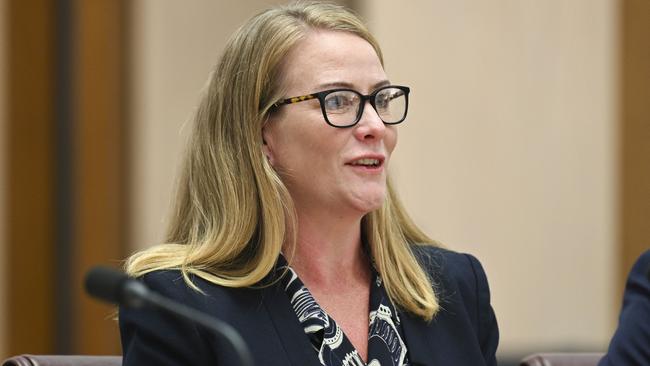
(344, 107)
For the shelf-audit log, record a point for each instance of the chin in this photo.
(369, 203)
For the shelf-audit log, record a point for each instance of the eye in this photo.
(340, 101)
(384, 98)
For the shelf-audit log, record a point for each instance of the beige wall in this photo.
(175, 44)
(509, 151)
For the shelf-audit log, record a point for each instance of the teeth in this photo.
(373, 162)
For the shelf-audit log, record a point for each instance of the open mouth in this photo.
(367, 162)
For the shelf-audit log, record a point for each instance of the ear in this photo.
(267, 143)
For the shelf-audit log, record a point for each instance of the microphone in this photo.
(115, 287)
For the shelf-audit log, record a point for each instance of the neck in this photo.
(329, 249)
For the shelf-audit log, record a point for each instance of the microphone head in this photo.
(114, 286)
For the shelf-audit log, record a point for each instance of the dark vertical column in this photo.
(30, 176)
(64, 172)
(635, 131)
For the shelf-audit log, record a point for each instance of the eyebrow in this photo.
(344, 84)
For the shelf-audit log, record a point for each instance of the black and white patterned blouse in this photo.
(385, 344)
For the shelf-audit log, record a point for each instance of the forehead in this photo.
(327, 57)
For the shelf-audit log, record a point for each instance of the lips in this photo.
(367, 161)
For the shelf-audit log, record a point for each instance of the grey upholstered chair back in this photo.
(562, 359)
(60, 360)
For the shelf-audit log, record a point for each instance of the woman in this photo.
(286, 226)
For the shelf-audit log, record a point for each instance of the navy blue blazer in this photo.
(630, 344)
(464, 332)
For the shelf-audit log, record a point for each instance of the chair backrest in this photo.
(562, 359)
(60, 360)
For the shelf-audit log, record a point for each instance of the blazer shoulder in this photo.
(154, 337)
(165, 279)
(200, 293)
(462, 268)
(461, 285)
(453, 273)
(171, 284)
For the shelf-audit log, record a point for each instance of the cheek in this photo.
(285, 151)
(390, 139)
(300, 150)
(277, 138)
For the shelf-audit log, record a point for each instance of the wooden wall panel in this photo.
(635, 132)
(99, 159)
(30, 177)
(65, 171)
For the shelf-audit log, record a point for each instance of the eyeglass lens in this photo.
(342, 107)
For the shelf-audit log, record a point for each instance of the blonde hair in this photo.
(232, 212)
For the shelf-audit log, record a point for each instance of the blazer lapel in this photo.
(290, 332)
(421, 351)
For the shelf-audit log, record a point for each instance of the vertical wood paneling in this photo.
(65, 156)
(99, 160)
(30, 177)
(3, 174)
(635, 131)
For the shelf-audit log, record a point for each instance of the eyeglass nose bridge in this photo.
(370, 98)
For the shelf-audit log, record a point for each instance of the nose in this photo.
(370, 126)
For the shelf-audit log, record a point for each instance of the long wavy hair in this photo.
(232, 213)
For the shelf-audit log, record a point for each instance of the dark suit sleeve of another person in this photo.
(630, 345)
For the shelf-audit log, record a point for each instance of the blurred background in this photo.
(527, 144)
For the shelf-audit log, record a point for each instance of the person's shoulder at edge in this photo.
(630, 344)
